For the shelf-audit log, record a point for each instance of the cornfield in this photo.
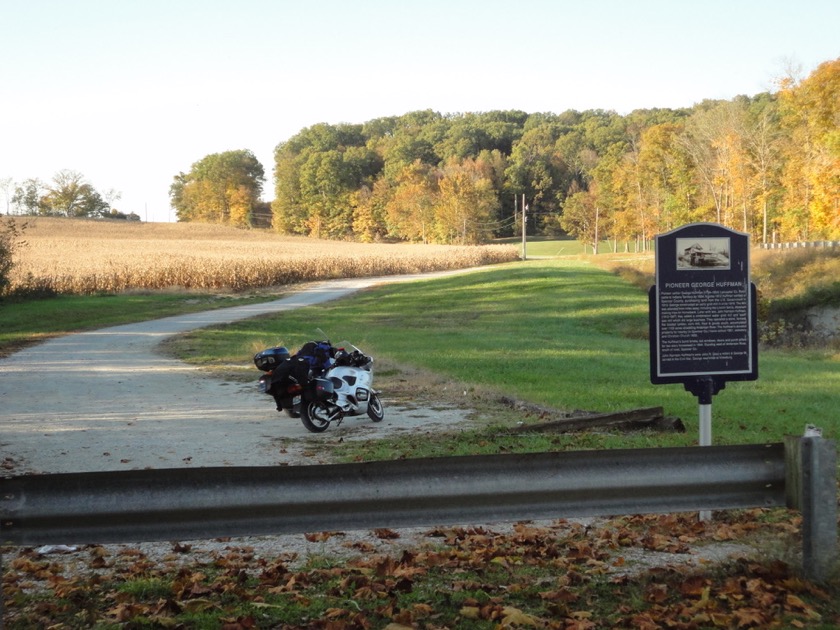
(78, 256)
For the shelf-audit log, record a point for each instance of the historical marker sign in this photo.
(703, 320)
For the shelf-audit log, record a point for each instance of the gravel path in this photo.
(107, 400)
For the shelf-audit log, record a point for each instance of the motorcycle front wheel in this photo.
(375, 411)
(314, 417)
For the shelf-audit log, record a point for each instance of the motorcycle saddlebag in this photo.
(323, 389)
(267, 360)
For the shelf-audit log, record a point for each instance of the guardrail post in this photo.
(811, 488)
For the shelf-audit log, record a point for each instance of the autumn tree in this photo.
(328, 180)
(317, 174)
(467, 203)
(369, 211)
(811, 178)
(581, 217)
(733, 148)
(11, 234)
(28, 196)
(287, 210)
(764, 153)
(7, 186)
(414, 137)
(700, 141)
(410, 208)
(471, 134)
(635, 203)
(325, 189)
(536, 168)
(220, 188)
(760, 164)
(665, 172)
(68, 194)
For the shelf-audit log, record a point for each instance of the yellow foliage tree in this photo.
(811, 113)
(410, 206)
(220, 188)
(466, 205)
(240, 203)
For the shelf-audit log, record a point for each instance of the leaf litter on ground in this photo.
(645, 571)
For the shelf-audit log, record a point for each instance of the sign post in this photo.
(703, 325)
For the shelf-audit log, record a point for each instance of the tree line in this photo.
(68, 194)
(768, 165)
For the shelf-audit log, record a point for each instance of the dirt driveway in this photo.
(108, 400)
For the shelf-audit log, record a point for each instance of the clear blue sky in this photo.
(130, 93)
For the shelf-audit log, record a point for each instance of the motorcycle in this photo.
(321, 384)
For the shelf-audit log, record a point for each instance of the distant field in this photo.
(77, 256)
(552, 247)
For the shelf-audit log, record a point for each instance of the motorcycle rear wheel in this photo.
(375, 411)
(314, 417)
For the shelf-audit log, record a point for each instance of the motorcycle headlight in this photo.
(362, 394)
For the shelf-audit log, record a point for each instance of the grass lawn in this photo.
(561, 333)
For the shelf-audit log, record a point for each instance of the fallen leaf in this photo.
(656, 593)
(470, 612)
(198, 605)
(693, 586)
(241, 623)
(795, 603)
(749, 617)
(562, 595)
(321, 536)
(514, 617)
(422, 610)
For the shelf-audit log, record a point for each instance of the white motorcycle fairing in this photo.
(352, 388)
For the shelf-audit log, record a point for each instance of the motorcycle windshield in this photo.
(346, 346)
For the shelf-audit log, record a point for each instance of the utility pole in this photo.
(524, 223)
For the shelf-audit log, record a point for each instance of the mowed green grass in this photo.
(558, 333)
(29, 321)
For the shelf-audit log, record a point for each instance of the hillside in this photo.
(799, 292)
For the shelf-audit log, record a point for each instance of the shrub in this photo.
(11, 234)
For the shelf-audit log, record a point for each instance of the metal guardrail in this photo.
(208, 502)
(184, 504)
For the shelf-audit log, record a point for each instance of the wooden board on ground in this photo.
(630, 420)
